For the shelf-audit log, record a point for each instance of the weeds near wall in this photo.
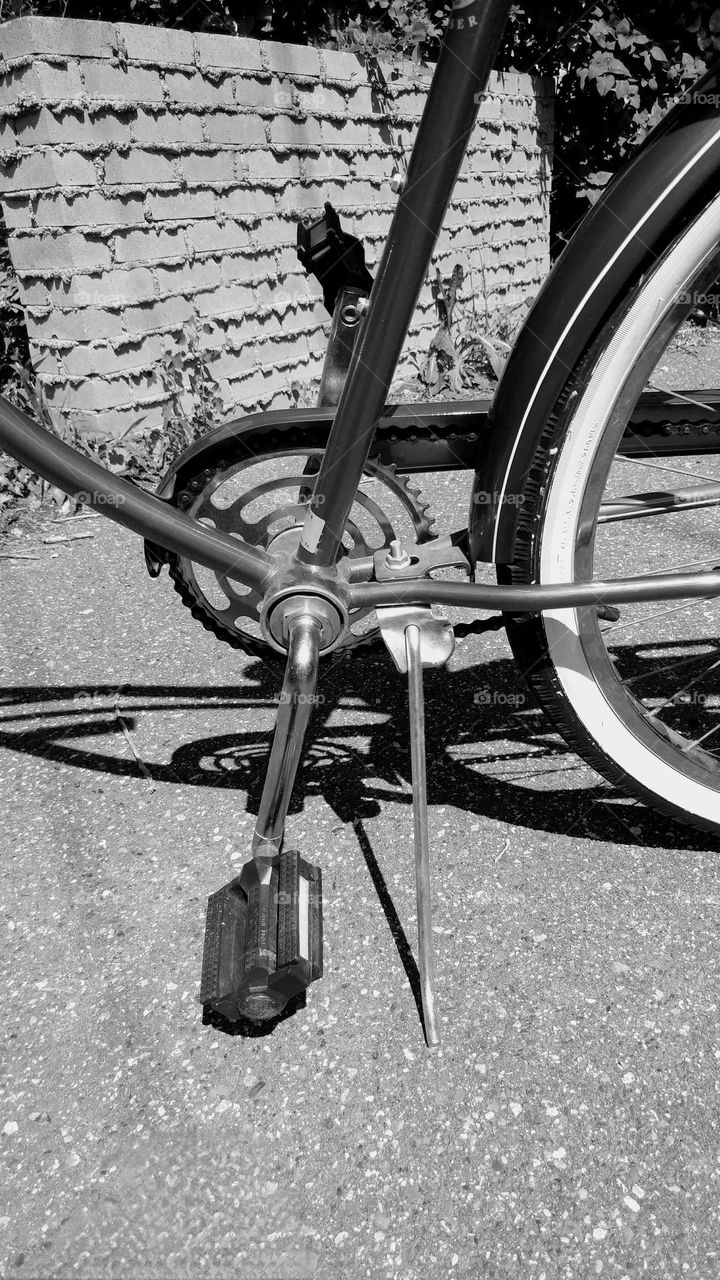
(194, 404)
(470, 347)
(21, 488)
(14, 349)
(18, 485)
(192, 407)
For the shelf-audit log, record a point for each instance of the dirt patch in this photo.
(33, 531)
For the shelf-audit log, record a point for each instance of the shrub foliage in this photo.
(617, 65)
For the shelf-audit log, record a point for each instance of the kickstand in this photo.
(416, 639)
(416, 700)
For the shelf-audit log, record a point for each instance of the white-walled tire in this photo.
(639, 698)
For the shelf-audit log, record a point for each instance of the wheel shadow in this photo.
(490, 751)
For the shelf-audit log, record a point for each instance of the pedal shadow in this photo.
(248, 1030)
(490, 751)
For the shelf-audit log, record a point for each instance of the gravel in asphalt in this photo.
(566, 1127)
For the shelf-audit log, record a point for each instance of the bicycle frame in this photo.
(461, 76)
(306, 599)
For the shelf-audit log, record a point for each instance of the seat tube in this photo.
(468, 53)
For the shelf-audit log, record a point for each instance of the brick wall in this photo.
(150, 178)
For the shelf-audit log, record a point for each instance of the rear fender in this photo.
(668, 179)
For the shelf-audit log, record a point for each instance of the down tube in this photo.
(125, 503)
(469, 51)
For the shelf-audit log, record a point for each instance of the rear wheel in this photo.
(637, 695)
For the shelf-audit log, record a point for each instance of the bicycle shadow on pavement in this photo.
(491, 753)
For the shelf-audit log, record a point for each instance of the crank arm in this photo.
(263, 935)
(296, 703)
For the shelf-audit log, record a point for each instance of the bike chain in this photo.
(291, 435)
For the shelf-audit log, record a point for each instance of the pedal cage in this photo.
(263, 938)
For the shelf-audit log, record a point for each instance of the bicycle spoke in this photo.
(660, 466)
(680, 395)
(649, 617)
(672, 666)
(623, 542)
(633, 436)
(685, 689)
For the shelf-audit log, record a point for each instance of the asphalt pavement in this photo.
(566, 1127)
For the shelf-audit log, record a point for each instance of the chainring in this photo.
(261, 496)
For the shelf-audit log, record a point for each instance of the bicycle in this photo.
(574, 423)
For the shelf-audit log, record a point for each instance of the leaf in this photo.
(497, 352)
(429, 373)
(406, 384)
(443, 345)
(604, 84)
(57, 496)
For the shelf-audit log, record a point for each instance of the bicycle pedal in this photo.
(263, 938)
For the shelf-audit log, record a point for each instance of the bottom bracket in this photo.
(279, 613)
